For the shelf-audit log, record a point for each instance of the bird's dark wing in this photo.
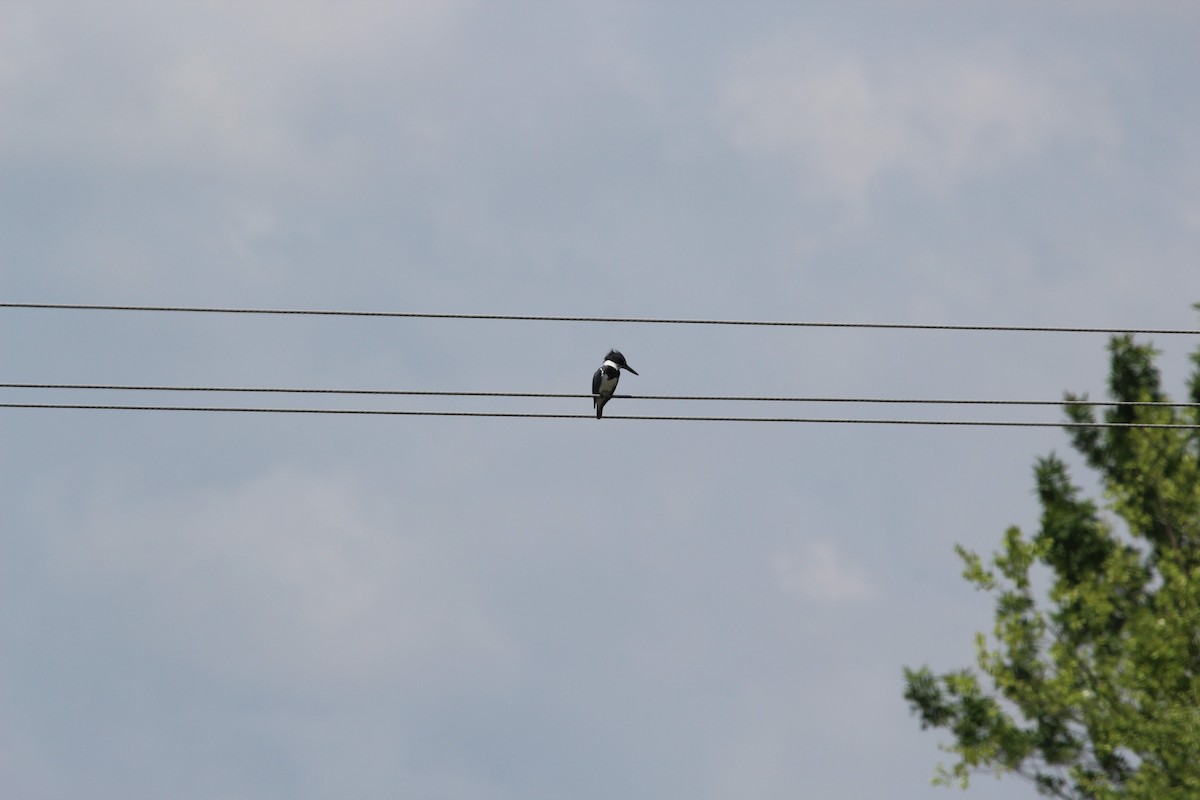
(596, 383)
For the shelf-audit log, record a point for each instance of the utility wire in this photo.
(578, 396)
(810, 420)
(633, 320)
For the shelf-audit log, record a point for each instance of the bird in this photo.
(604, 382)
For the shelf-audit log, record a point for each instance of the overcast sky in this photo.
(286, 606)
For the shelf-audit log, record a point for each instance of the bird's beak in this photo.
(631, 369)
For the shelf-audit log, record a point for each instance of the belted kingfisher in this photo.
(604, 382)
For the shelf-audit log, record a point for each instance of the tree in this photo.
(1093, 682)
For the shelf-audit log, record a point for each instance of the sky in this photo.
(202, 605)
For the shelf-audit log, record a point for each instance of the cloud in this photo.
(820, 573)
(291, 573)
(845, 119)
(196, 91)
(1188, 208)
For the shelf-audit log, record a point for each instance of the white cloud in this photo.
(291, 573)
(1188, 209)
(821, 573)
(846, 118)
(199, 89)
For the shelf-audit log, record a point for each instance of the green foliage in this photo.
(1091, 688)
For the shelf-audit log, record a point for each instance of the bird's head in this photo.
(615, 357)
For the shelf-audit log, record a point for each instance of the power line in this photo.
(631, 320)
(578, 396)
(521, 415)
